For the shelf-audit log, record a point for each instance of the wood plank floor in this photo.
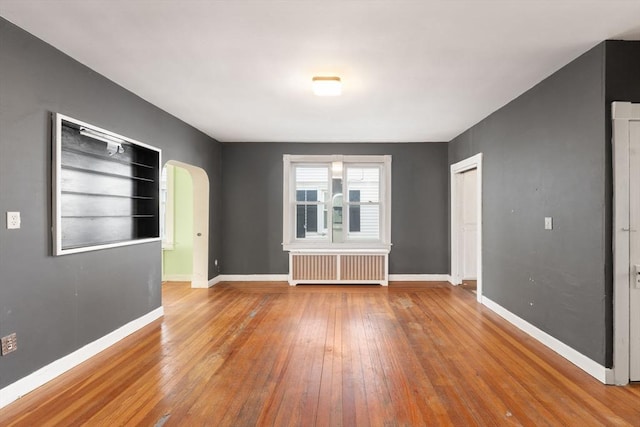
(266, 354)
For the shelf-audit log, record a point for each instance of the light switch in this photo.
(13, 220)
(548, 223)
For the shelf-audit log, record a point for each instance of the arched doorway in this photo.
(199, 186)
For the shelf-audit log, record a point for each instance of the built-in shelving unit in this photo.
(105, 188)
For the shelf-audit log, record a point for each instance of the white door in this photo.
(634, 250)
(469, 225)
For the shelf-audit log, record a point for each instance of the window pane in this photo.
(354, 211)
(366, 180)
(312, 178)
(312, 190)
(306, 195)
(311, 222)
(369, 222)
(337, 221)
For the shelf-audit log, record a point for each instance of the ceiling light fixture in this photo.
(327, 86)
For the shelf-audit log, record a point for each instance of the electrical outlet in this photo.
(9, 344)
(13, 220)
(548, 223)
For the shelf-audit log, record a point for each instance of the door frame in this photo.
(621, 113)
(200, 180)
(473, 162)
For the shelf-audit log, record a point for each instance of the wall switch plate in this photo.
(13, 220)
(9, 344)
(548, 223)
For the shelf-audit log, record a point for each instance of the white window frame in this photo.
(289, 241)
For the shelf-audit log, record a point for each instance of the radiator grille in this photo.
(362, 267)
(314, 267)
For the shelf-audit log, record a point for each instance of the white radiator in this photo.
(338, 268)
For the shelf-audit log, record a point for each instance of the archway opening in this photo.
(186, 224)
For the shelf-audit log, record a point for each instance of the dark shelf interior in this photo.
(104, 198)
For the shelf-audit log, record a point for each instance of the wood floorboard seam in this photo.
(267, 354)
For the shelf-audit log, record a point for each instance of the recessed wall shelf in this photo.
(106, 188)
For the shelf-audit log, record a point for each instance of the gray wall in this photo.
(548, 153)
(252, 205)
(622, 83)
(58, 304)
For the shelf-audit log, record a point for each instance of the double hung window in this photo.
(337, 201)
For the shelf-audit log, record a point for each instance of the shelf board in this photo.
(108, 216)
(105, 243)
(80, 193)
(116, 175)
(103, 157)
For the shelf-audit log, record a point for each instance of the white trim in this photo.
(215, 281)
(591, 367)
(621, 114)
(473, 162)
(420, 278)
(340, 250)
(285, 277)
(105, 246)
(176, 278)
(329, 158)
(286, 186)
(45, 374)
(250, 278)
(195, 283)
(168, 237)
(200, 284)
(309, 247)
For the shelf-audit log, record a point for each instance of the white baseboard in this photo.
(176, 277)
(250, 278)
(611, 378)
(284, 277)
(215, 280)
(195, 283)
(45, 374)
(419, 278)
(591, 367)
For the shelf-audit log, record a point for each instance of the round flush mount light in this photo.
(327, 86)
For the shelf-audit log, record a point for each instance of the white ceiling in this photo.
(411, 70)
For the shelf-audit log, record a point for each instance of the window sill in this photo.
(338, 248)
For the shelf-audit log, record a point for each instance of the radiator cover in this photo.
(339, 267)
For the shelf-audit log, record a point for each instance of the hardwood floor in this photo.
(245, 354)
